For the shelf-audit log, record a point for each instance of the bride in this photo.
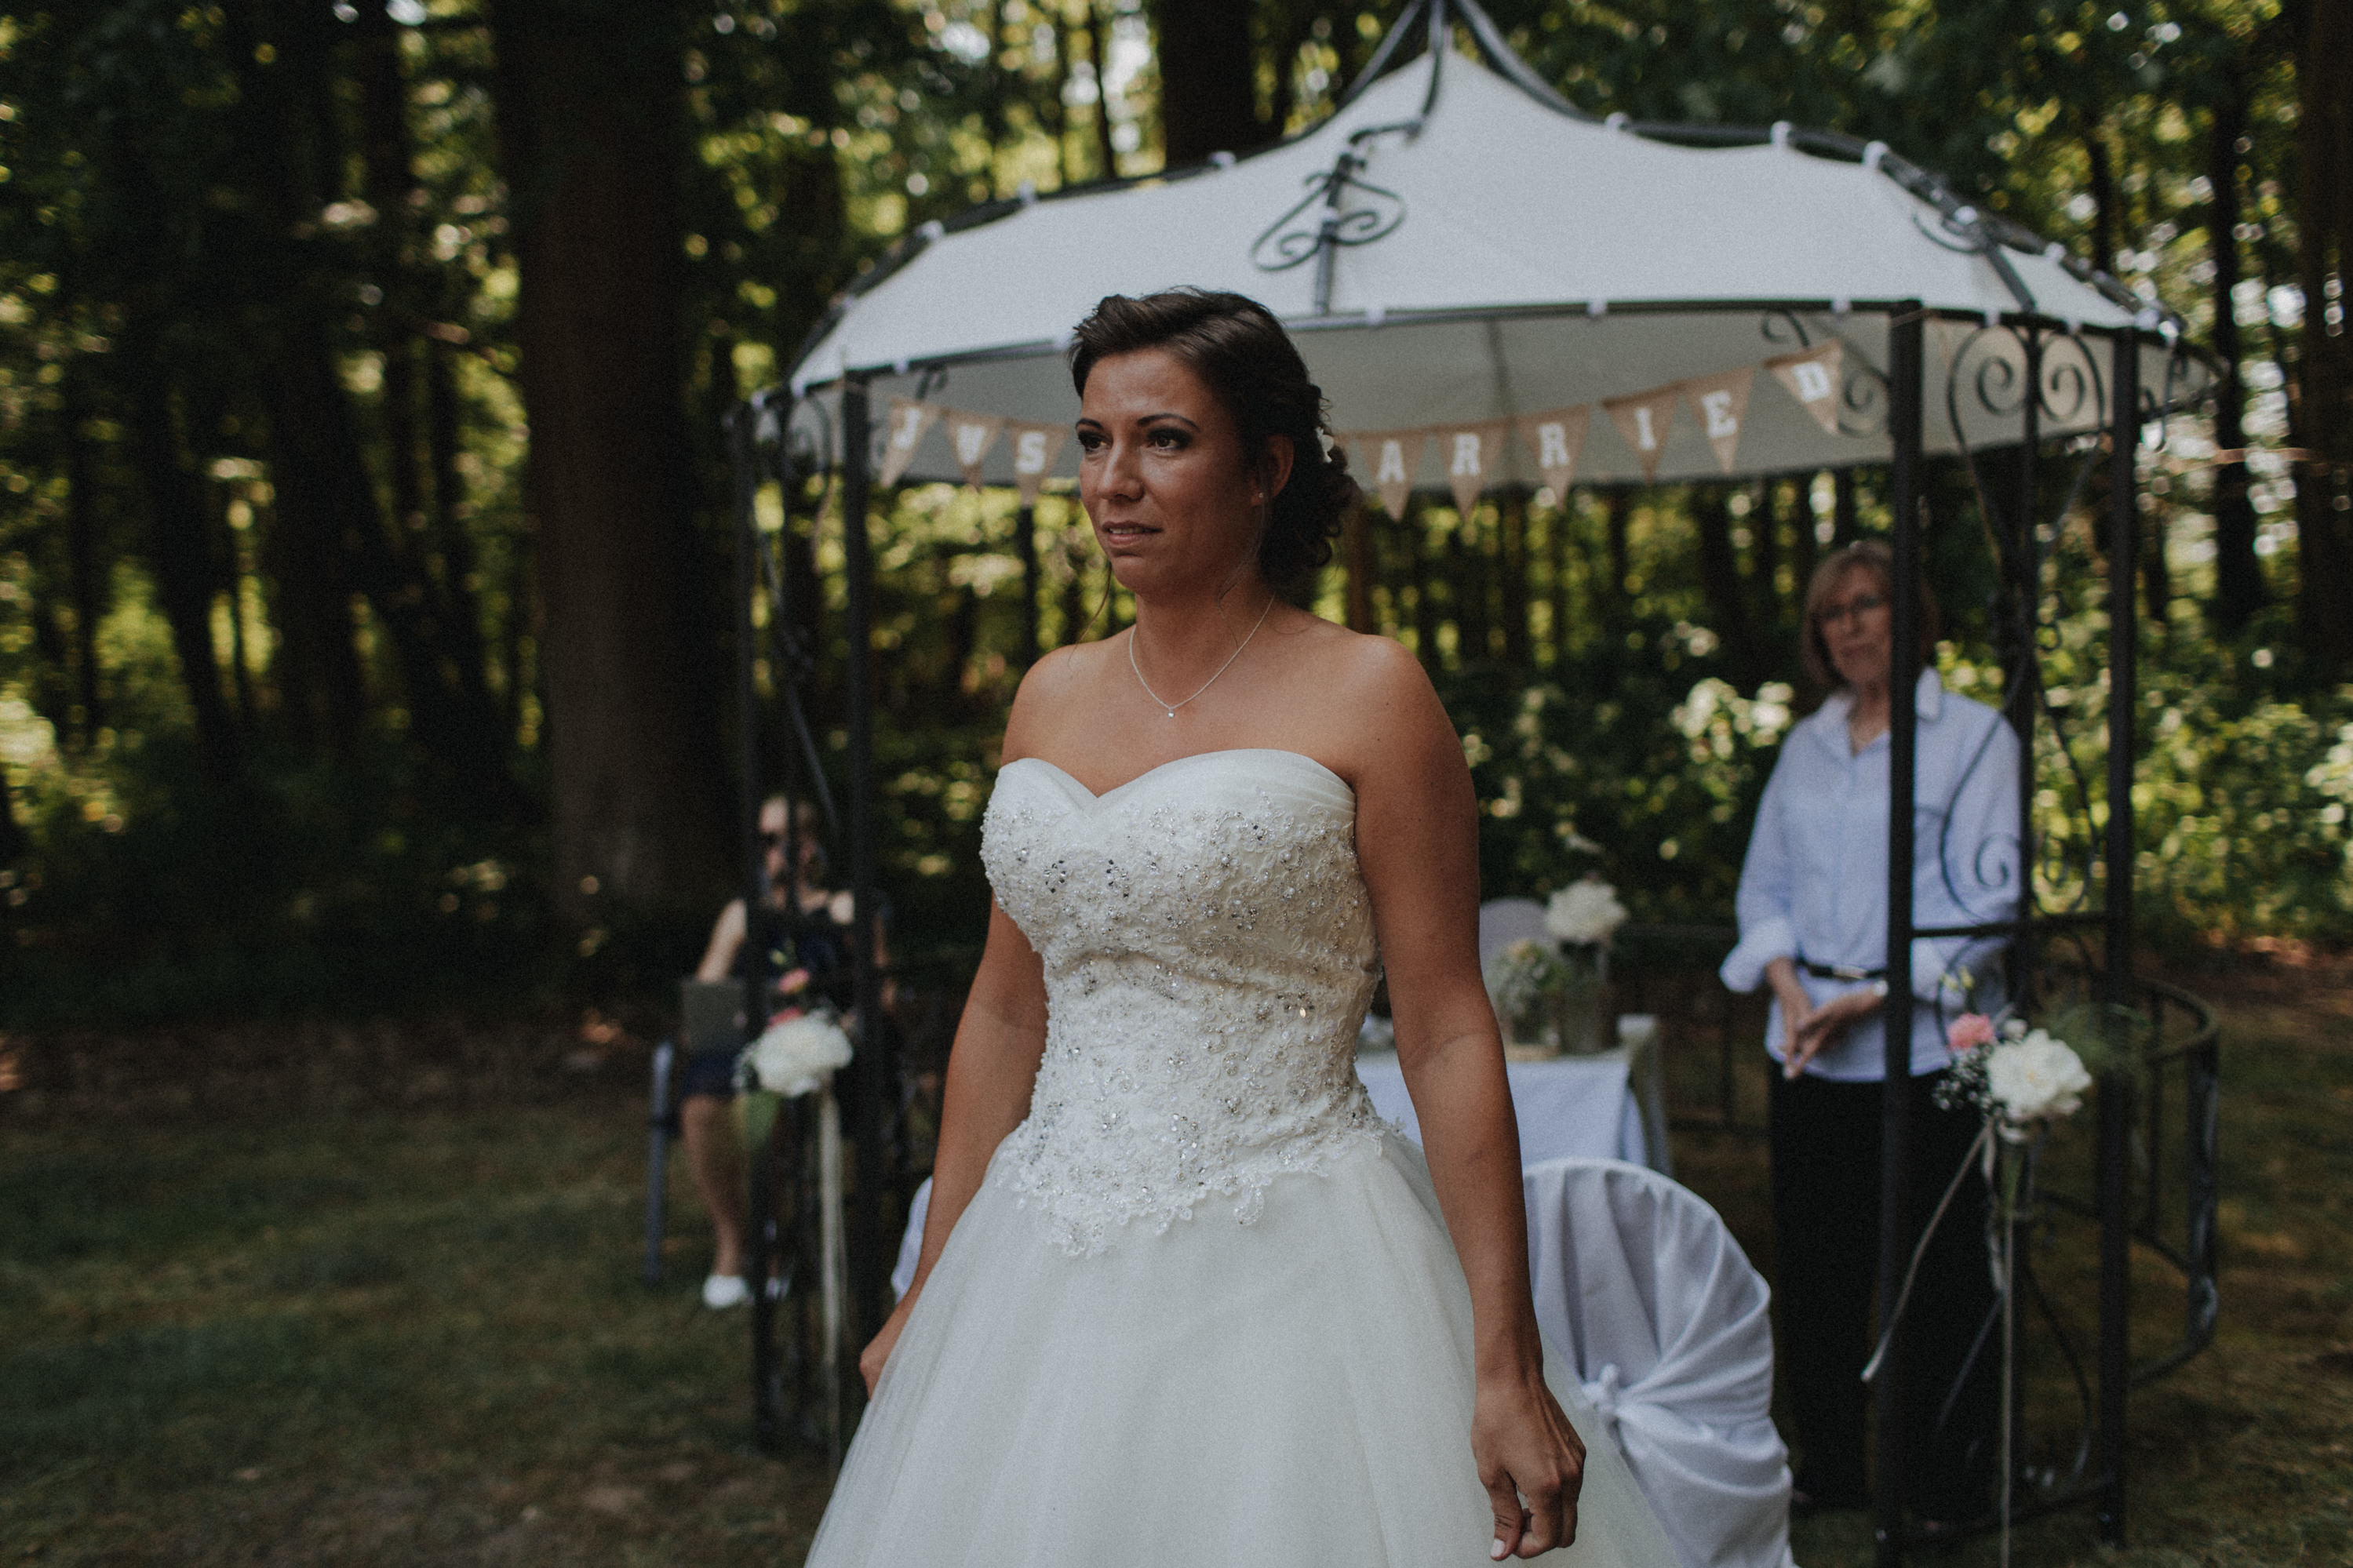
(1183, 1299)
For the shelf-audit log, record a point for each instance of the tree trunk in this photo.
(1556, 548)
(1356, 562)
(1425, 608)
(83, 574)
(1619, 525)
(1208, 101)
(2238, 575)
(2322, 400)
(1846, 514)
(1719, 578)
(1512, 512)
(1765, 558)
(1106, 155)
(590, 101)
(176, 530)
(1025, 550)
(2102, 242)
(1805, 549)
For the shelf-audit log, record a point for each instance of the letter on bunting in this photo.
(1812, 378)
(1035, 447)
(1389, 456)
(1720, 403)
(1643, 421)
(1473, 453)
(973, 435)
(904, 430)
(1556, 439)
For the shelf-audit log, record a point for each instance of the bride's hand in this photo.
(877, 1353)
(1532, 1463)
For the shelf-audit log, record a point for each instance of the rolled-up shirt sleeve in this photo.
(1768, 927)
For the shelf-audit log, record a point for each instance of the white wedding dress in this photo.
(1203, 1313)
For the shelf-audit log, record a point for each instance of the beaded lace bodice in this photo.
(1208, 957)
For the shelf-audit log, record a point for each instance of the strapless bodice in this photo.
(1209, 955)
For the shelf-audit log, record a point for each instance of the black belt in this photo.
(1840, 970)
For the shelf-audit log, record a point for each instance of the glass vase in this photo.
(1578, 1000)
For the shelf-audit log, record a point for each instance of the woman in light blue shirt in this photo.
(1813, 926)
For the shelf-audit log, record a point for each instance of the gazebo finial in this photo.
(1436, 17)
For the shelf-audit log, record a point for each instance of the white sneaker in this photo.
(721, 1291)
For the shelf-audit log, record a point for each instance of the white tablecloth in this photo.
(1583, 1105)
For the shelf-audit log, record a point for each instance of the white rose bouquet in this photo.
(2021, 1078)
(794, 1054)
(1587, 911)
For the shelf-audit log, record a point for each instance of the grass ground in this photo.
(369, 1296)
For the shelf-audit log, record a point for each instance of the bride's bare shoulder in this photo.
(1365, 668)
(1058, 684)
(1369, 700)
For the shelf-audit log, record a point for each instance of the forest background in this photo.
(365, 630)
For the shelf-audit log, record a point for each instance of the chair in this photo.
(711, 1017)
(1639, 1283)
(1503, 921)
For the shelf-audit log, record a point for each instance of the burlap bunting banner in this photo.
(972, 435)
(1812, 378)
(904, 428)
(1472, 457)
(1643, 421)
(1386, 461)
(1720, 403)
(1035, 447)
(1555, 440)
(1474, 453)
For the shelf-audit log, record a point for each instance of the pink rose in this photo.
(1969, 1032)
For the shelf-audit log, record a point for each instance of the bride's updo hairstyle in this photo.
(1237, 347)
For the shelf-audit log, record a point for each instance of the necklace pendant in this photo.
(1172, 712)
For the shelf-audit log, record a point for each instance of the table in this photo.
(1589, 1106)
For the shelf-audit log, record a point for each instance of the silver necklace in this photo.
(1170, 708)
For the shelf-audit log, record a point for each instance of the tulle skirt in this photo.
(1296, 1391)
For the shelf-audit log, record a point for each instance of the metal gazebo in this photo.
(1458, 243)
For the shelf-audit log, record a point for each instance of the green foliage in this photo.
(188, 201)
(1647, 764)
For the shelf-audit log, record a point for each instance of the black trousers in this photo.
(1825, 1139)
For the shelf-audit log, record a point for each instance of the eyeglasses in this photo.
(1860, 606)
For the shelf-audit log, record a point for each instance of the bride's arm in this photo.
(1418, 841)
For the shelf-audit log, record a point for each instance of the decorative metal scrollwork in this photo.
(1863, 391)
(1339, 209)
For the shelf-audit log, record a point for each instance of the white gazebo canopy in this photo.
(1457, 245)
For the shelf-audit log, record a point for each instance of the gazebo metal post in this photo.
(2020, 563)
(767, 1400)
(1904, 324)
(2116, 1091)
(869, 1075)
(1025, 550)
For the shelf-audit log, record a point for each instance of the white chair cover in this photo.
(1639, 1282)
(1503, 921)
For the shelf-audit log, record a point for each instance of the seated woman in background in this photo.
(818, 964)
(1813, 926)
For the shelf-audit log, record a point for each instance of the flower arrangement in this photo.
(1587, 911)
(1549, 991)
(796, 1053)
(1518, 976)
(2021, 1078)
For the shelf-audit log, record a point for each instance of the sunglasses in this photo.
(1860, 605)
